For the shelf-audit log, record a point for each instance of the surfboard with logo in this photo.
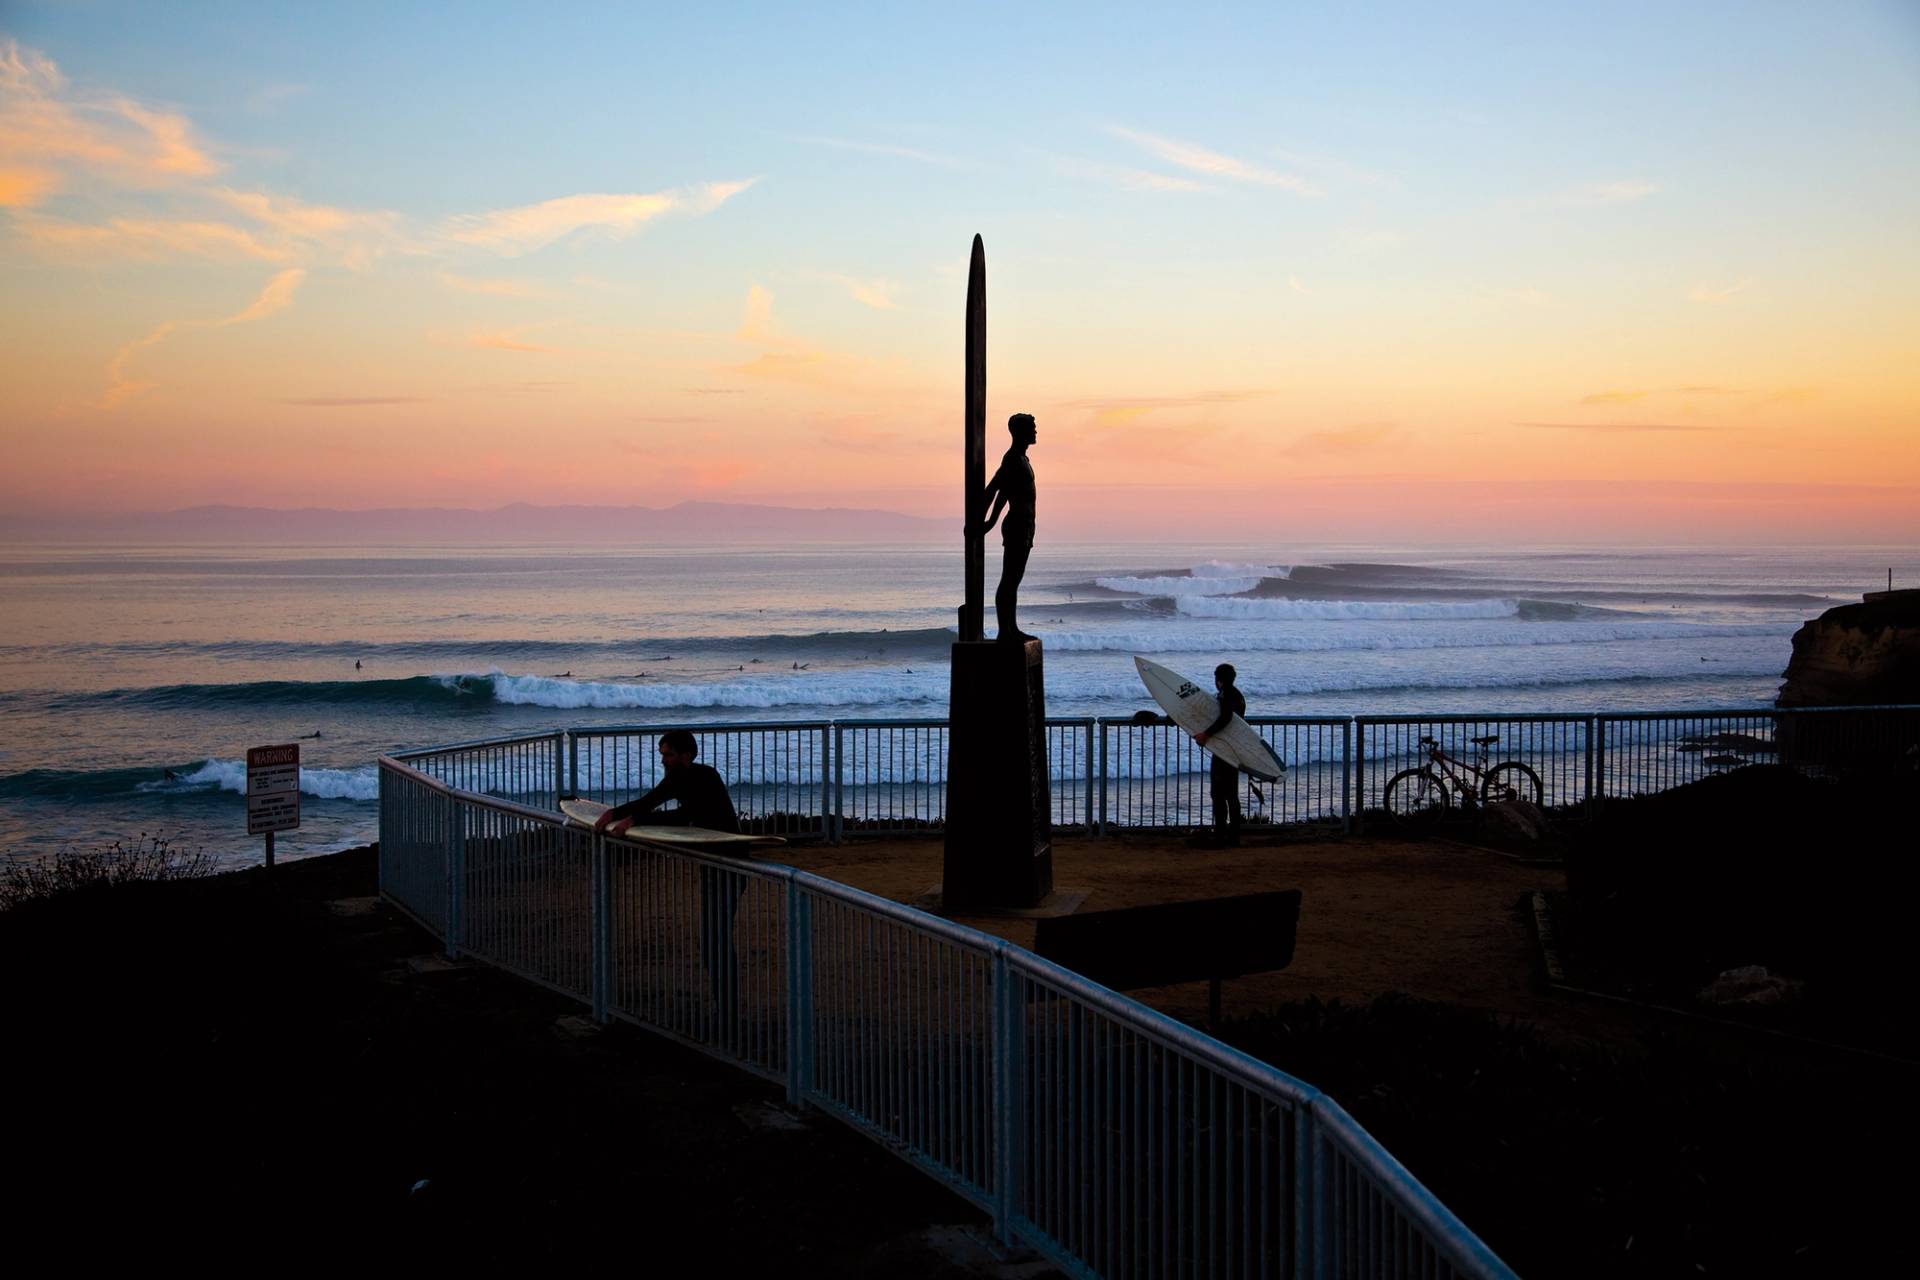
(587, 812)
(1193, 708)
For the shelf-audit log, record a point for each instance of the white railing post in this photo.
(1346, 776)
(1009, 1033)
(839, 789)
(1359, 807)
(826, 783)
(799, 995)
(1087, 772)
(600, 916)
(456, 856)
(1100, 727)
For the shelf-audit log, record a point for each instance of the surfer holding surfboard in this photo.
(1216, 725)
(1223, 780)
(704, 803)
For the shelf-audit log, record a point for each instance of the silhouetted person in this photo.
(1222, 778)
(1012, 488)
(704, 802)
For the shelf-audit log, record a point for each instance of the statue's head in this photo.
(1023, 428)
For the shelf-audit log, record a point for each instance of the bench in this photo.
(1212, 938)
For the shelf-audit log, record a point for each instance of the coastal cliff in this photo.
(1857, 654)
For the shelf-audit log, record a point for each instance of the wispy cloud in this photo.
(357, 233)
(492, 288)
(887, 149)
(46, 131)
(756, 317)
(1293, 283)
(1614, 397)
(1619, 428)
(1213, 164)
(1126, 179)
(122, 385)
(148, 239)
(1711, 293)
(351, 402)
(1361, 437)
(877, 294)
(534, 226)
(277, 296)
(1369, 239)
(505, 340)
(1164, 402)
(1619, 191)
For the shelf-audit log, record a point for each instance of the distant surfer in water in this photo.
(1012, 488)
(704, 802)
(1222, 778)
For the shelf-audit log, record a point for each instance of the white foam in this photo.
(1342, 610)
(1179, 586)
(362, 783)
(1222, 569)
(826, 689)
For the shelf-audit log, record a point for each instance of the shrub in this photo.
(151, 857)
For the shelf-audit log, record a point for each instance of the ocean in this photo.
(132, 679)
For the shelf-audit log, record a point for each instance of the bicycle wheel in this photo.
(1414, 792)
(1510, 781)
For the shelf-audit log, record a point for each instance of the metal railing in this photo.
(832, 779)
(1110, 1138)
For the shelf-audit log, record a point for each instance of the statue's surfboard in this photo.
(587, 812)
(1194, 708)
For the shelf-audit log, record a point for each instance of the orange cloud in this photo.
(22, 186)
(877, 294)
(492, 288)
(1361, 437)
(276, 296)
(505, 341)
(1614, 397)
(42, 125)
(534, 226)
(1213, 164)
(148, 239)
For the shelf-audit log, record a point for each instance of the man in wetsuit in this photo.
(704, 802)
(1223, 779)
(1012, 488)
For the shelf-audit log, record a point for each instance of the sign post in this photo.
(273, 791)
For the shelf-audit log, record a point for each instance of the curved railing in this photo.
(1110, 1138)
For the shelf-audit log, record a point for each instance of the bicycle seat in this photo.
(1486, 741)
(1428, 742)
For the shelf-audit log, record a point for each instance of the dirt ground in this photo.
(1432, 919)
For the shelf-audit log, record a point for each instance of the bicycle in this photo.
(1428, 788)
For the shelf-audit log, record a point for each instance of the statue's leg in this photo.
(1013, 567)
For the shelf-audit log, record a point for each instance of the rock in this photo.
(1521, 818)
(1857, 654)
(1749, 985)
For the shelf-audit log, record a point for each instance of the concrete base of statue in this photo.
(999, 850)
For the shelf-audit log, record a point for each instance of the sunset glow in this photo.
(1629, 274)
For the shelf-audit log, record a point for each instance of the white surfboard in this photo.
(1194, 708)
(587, 812)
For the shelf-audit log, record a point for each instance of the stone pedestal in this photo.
(999, 804)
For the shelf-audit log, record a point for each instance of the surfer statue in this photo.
(999, 830)
(1012, 490)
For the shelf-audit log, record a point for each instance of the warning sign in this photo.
(273, 788)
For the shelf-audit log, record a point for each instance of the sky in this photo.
(1480, 271)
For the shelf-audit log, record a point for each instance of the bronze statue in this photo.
(1012, 490)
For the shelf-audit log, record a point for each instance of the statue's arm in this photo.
(996, 497)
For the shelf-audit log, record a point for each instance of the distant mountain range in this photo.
(520, 522)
